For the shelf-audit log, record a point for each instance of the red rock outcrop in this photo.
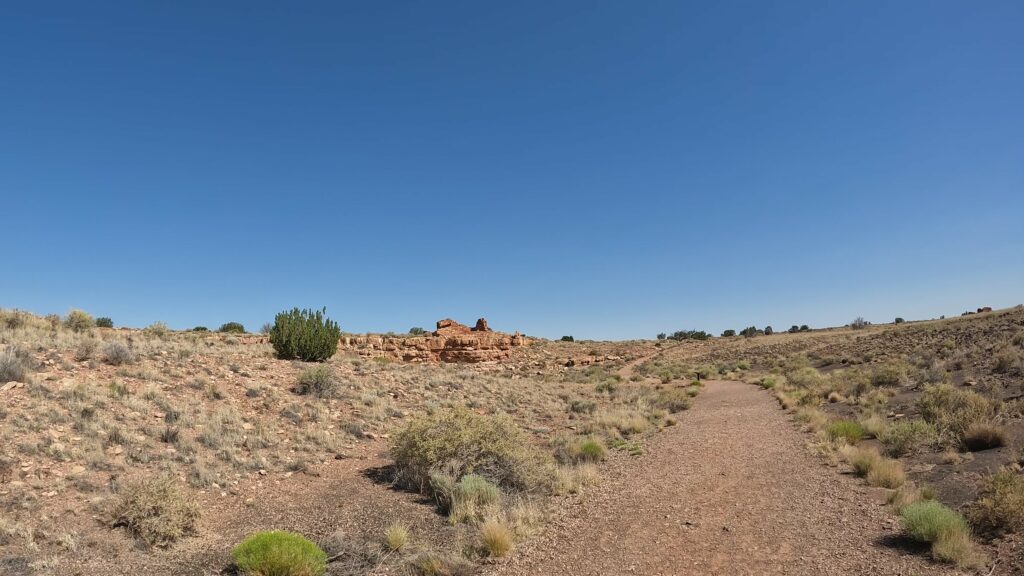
(451, 342)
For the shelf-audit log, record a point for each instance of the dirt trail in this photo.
(732, 489)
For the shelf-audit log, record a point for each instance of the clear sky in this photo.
(601, 169)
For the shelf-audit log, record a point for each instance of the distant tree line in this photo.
(680, 335)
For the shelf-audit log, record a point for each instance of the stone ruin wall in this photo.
(450, 342)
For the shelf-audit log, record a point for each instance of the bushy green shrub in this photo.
(318, 381)
(417, 331)
(567, 339)
(847, 430)
(155, 511)
(104, 322)
(200, 329)
(906, 437)
(279, 553)
(78, 320)
(468, 443)
(232, 328)
(305, 335)
(728, 333)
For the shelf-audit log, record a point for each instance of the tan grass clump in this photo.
(155, 511)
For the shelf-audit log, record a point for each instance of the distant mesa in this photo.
(450, 342)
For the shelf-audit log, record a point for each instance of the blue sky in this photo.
(601, 169)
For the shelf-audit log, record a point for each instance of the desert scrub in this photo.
(1000, 507)
(675, 400)
(846, 430)
(78, 321)
(947, 531)
(491, 446)
(279, 553)
(104, 322)
(953, 411)
(117, 353)
(155, 511)
(305, 335)
(907, 437)
(318, 381)
(13, 365)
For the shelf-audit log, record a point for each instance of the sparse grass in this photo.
(279, 553)
(496, 539)
(846, 430)
(155, 511)
(674, 400)
(1000, 507)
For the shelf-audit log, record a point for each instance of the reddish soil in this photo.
(732, 489)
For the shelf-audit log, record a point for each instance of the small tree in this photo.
(805, 328)
(661, 336)
(305, 335)
(858, 323)
(768, 331)
(417, 331)
(899, 320)
(749, 331)
(728, 333)
(232, 328)
(568, 339)
(794, 329)
(104, 322)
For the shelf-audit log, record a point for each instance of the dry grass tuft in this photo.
(496, 539)
(984, 436)
(396, 537)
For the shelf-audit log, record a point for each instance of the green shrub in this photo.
(200, 329)
(567, 339)
(305, 335)
(591, 451)
(847, 430)
(1000, 506)
(417, 331)
(232, 328)
(947, 531)
(891, 374)
(728, 333)
(104, 322)
(155, 511)
(467, 443)
(78, 320)
(318, 381)
(279, 553)
(580, 406)
(925, 521)
(953, 410)
(906, 437)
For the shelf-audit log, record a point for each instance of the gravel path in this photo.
(732, 489)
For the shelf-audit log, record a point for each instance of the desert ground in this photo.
(864, 449)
